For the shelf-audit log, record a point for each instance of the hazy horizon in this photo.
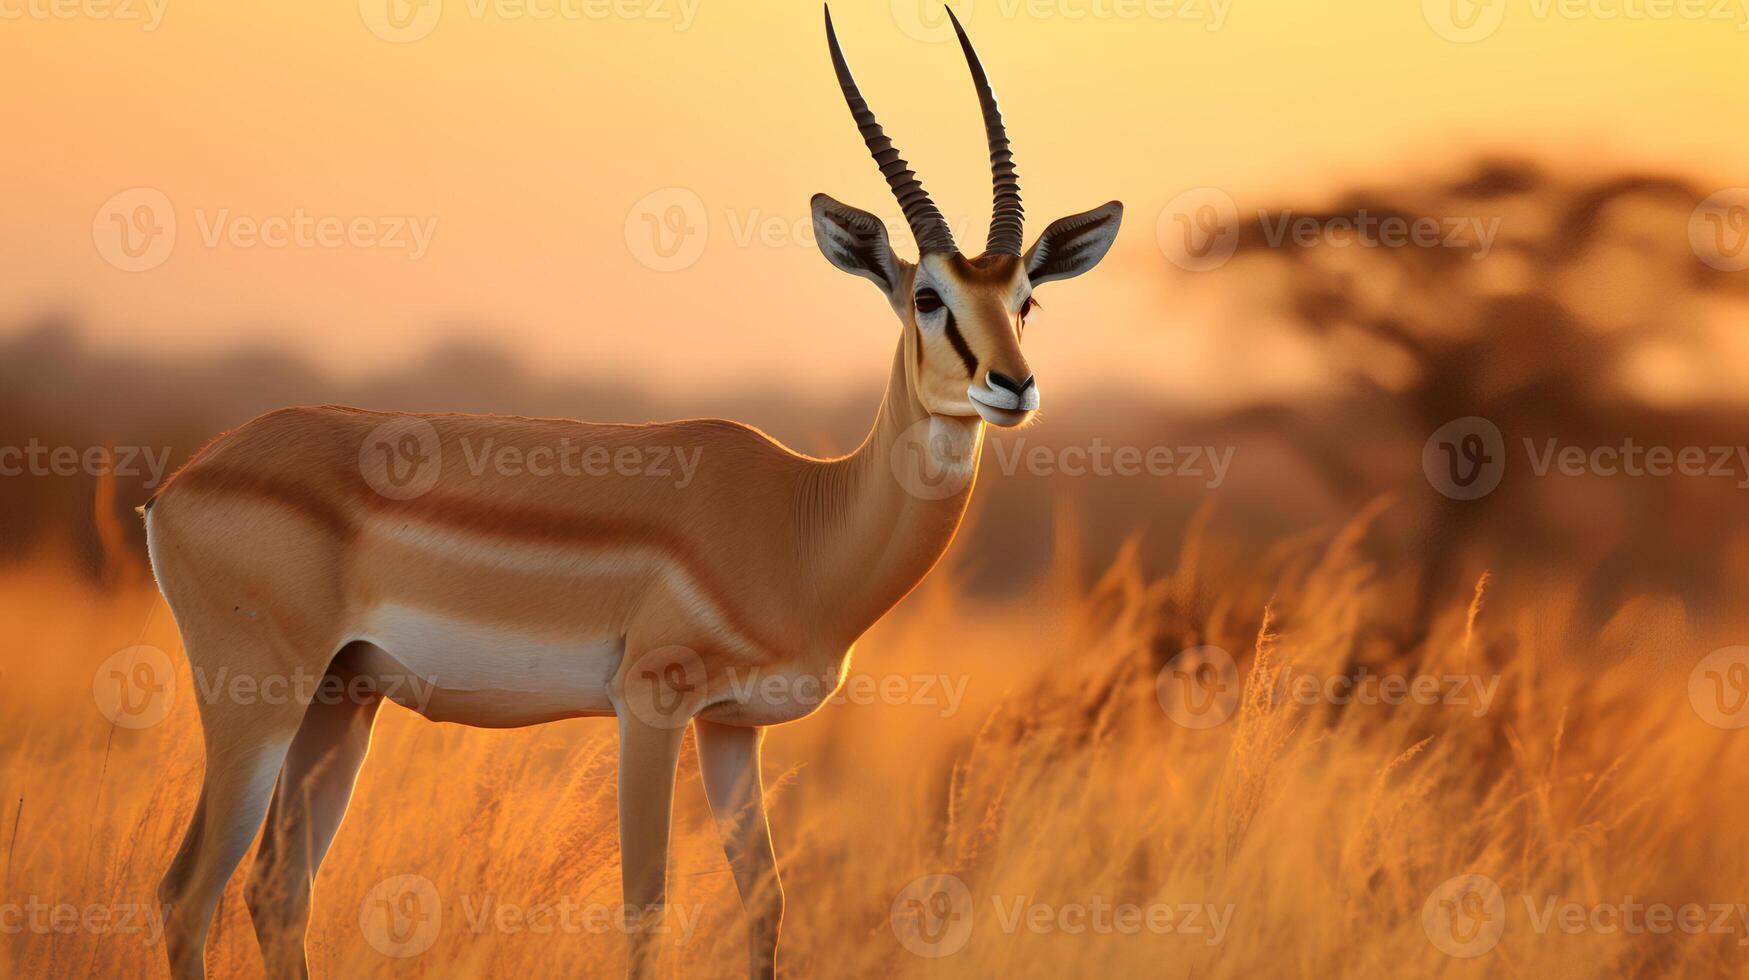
(518, 158)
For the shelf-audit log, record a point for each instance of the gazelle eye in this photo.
(928, 300)
(1027, 307)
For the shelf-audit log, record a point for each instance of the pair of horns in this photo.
(927, 224)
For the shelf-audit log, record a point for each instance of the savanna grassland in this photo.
(1029, 747)
(1321, 719)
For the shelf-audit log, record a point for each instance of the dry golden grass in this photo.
(1059, 779)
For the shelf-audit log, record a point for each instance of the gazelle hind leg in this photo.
(728, 759)
(309, 802)
(245, 747)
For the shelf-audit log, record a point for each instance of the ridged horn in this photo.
(1006, 215)
(927, 224)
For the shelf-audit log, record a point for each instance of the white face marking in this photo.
(985, 316)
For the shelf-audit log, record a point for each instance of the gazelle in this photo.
(359, 546)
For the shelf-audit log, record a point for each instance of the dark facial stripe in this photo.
(960, 346)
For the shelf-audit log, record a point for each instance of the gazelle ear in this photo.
(1073, 245)
(855, 241)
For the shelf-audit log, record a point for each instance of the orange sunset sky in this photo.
(526, 137)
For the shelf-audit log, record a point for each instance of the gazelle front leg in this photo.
(648, 755)
(728, 758)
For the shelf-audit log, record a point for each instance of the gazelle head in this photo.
(963, 317)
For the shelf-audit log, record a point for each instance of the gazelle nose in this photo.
(1003, 381)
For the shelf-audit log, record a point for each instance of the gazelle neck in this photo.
(875, 522)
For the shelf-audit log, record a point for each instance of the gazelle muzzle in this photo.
(1001, 400)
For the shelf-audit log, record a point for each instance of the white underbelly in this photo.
(488, 674)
